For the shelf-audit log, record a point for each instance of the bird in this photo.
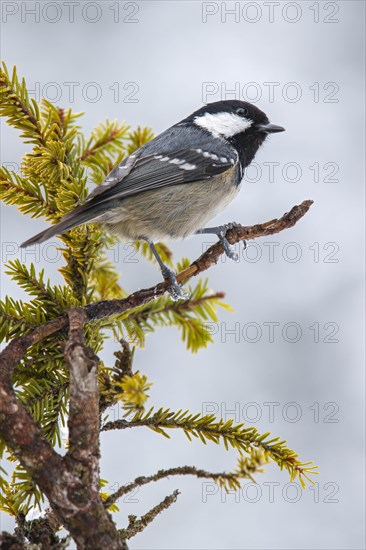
(174, 184)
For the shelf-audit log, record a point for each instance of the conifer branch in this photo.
(175, 307)
(18, 429)
(16, 106)
(188, 316)
(225, 479)
(139, 137)
(107, 308)
(208, 428)
(34, 383)
(109, 134)
(25, 193)
(72, 483)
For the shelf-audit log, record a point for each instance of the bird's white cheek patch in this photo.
(223, 124)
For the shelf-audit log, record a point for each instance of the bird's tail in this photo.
(77, 217)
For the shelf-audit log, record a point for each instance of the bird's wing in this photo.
(114, 177)
(147, 172)
(148, 168)
(162, 162)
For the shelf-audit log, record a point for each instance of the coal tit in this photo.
(173, 185)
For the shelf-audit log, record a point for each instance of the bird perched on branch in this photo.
(173, 185)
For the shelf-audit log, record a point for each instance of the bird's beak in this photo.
(270, 128)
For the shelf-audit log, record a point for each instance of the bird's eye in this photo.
(241, 111)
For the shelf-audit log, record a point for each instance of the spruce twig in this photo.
(225, 479)
(137, 525)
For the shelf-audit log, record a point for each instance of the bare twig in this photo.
(137, 525)
(161, 474)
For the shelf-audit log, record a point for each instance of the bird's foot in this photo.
(175, 290)
(221, 233)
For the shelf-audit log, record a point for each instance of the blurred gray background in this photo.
(152, 63)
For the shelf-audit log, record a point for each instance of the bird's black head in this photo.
(241, 123)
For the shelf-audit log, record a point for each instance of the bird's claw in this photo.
(175, 289)
(225, 243)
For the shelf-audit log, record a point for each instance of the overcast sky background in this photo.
(166, 56)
